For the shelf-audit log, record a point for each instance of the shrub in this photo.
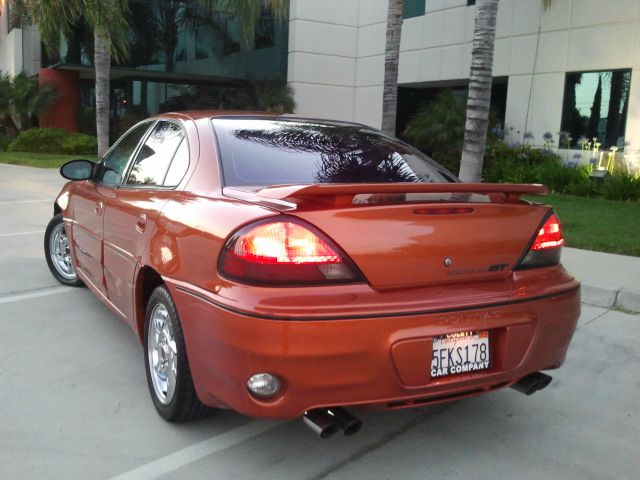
(438, 129)
(519, 164)
(621, 186)
(583, 188)
(5, 140)
(53, 140)
(562, 178)
(80, 145)
(449, 160)
(439, 126)
(529, 165)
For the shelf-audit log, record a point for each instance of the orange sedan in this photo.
(288, 267)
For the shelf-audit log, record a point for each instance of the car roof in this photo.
(249, 114)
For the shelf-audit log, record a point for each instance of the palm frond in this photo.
(108, 19)
(53, 17)
(21, 97)
(248, 13)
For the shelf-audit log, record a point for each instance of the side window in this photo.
(179, 165)
(152, 162)
(115, 161)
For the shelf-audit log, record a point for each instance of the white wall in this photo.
(323, 39)
(575, 35)
(17, 46)
(10, 45)
(336, 61)
(372, 30)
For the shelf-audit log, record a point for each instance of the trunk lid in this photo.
(406, 235)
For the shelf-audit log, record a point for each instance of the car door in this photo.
(131, 214)
(90, 199)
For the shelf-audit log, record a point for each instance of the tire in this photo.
(58, 254)
(166, 363)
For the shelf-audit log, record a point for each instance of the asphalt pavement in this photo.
(74, 402)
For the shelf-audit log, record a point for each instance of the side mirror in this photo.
(77, 170)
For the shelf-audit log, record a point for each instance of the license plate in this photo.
(461, 352)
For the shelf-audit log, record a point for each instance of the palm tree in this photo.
(108, 20)
(248, 13)
(21, 98)
(391, 60)
(480, 78)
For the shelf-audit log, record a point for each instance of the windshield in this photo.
(265, 152)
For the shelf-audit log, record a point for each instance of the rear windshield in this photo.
(265, 152)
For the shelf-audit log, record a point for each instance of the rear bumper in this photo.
(375, 362)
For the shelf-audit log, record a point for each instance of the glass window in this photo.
(177, 35)
(179, 165)
(471, 3)
(261, 152)
(152, 162)
(413, 8)
(113, 164)
(595, 105)
(265, 31)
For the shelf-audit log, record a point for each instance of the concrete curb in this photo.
(626, 298)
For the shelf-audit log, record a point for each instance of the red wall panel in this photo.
(64, 112)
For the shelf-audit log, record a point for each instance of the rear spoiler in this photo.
(288, 196)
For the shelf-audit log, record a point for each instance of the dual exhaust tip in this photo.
(532, 383)
(327, 421)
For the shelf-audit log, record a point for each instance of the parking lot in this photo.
(74, 400)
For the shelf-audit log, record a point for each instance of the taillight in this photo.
(545, 246)
(277, 252)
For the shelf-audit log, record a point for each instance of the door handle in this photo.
(141, 222)
(99, 207)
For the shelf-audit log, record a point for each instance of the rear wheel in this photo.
(58, 253)
(167, 367)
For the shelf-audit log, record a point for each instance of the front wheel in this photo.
(167, 367)
(58, 253)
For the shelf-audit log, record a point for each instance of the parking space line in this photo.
(45, 292)
(17, 234)
(195, 452)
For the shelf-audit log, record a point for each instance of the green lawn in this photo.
(40, 160)
(598, 224)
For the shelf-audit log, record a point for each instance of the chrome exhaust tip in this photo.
(532, 383)
(321, 422)
(348, 423)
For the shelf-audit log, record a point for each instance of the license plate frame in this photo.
(460, 353)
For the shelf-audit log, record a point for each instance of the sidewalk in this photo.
(608, 280)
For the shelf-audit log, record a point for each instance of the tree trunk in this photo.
(102, 62)
(12, 128)
(572, 121)
(613, 115)
(594, 119)
(480, 78)
(391, 60)
(625, 106)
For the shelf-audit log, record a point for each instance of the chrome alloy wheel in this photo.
(60, 253)
(163, 354)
